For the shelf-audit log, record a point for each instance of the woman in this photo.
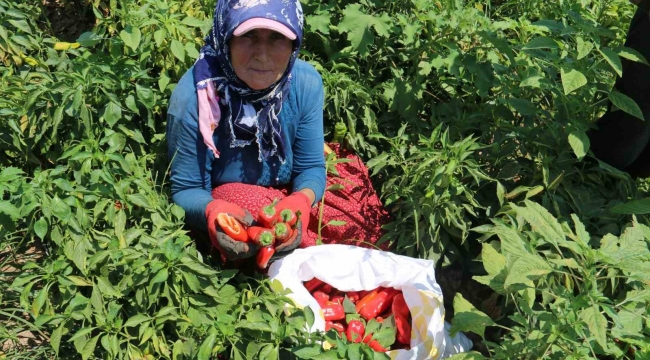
(621, 139)
(245, 127)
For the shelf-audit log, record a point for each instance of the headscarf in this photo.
(247, 111)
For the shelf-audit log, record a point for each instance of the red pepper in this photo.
(327, 288)
(333, 311)
(321, 298)
(402, 313)
(282, 232)
(267, 215)
(338, 299)
(260, 236)
(313, 285)
(232, 227)
(380, 319)
(334, 325)
(264, 255)
(288, 216)
(355, 331)
(353, 296)
(378, 304)
(364, 300)
(374, 344)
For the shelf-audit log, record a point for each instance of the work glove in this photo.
(298, 203)
(229, 248)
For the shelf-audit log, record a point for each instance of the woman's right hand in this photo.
(229, 248)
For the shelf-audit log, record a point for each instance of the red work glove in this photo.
(295, 202)
(228, 247)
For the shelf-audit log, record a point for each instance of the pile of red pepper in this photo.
(273, 229)
(378, 305)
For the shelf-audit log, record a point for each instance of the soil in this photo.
(68, 18)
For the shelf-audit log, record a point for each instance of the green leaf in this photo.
(572, 80)
(194, 22)
(306, 351)
(626, 104)
(532, 81)
(632, 55)
(524, 107)
(472, 355)
(541, 221)
(89, 348)
(81, 333)
(541, 42)
(579, 143)
(136, 320)
(357, 24)
(106, 287)
(60, 209)
(468, 318)
(131, 37)
(146, 96)
(55, 338)
(8, 208)
(205, 351)
(112, 113)
(336, 223)
(79, 281)
(161, 276)
(640, 207)
(40, 228)
(178, 50)
(320, 22)
(269, 352)
(597, 324)
(89, 39)
(309, 316)
(139, 200)
(527, 268)
(159, 37)
(163, 81)
(190, 50)
(612, 58)
(584, 48)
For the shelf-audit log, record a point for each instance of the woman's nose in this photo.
(262, 51)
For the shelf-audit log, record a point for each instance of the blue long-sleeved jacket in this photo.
(195, 170)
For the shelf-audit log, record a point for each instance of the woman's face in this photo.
(260, 57)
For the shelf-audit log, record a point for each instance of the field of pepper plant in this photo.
(471, 115)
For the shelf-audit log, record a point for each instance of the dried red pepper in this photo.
(333, 311)
(232, 227)
(379, 303)
(260, 236)
(264, 255)
(402, 323)
(282, 232)
(327, 288)
(355, 331)
(338, 299)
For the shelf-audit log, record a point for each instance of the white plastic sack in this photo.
(351, 268)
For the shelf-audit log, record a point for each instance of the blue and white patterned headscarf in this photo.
(248, 111)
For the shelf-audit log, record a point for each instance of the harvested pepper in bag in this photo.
(313, 285)
(334, 325)
(374, 344)
(379, 303)
(355, 331)
(364, 300)
(402, 313)
(264, 255)
(260, 236)
(232, 227)
(321, 298)
(333, 311)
